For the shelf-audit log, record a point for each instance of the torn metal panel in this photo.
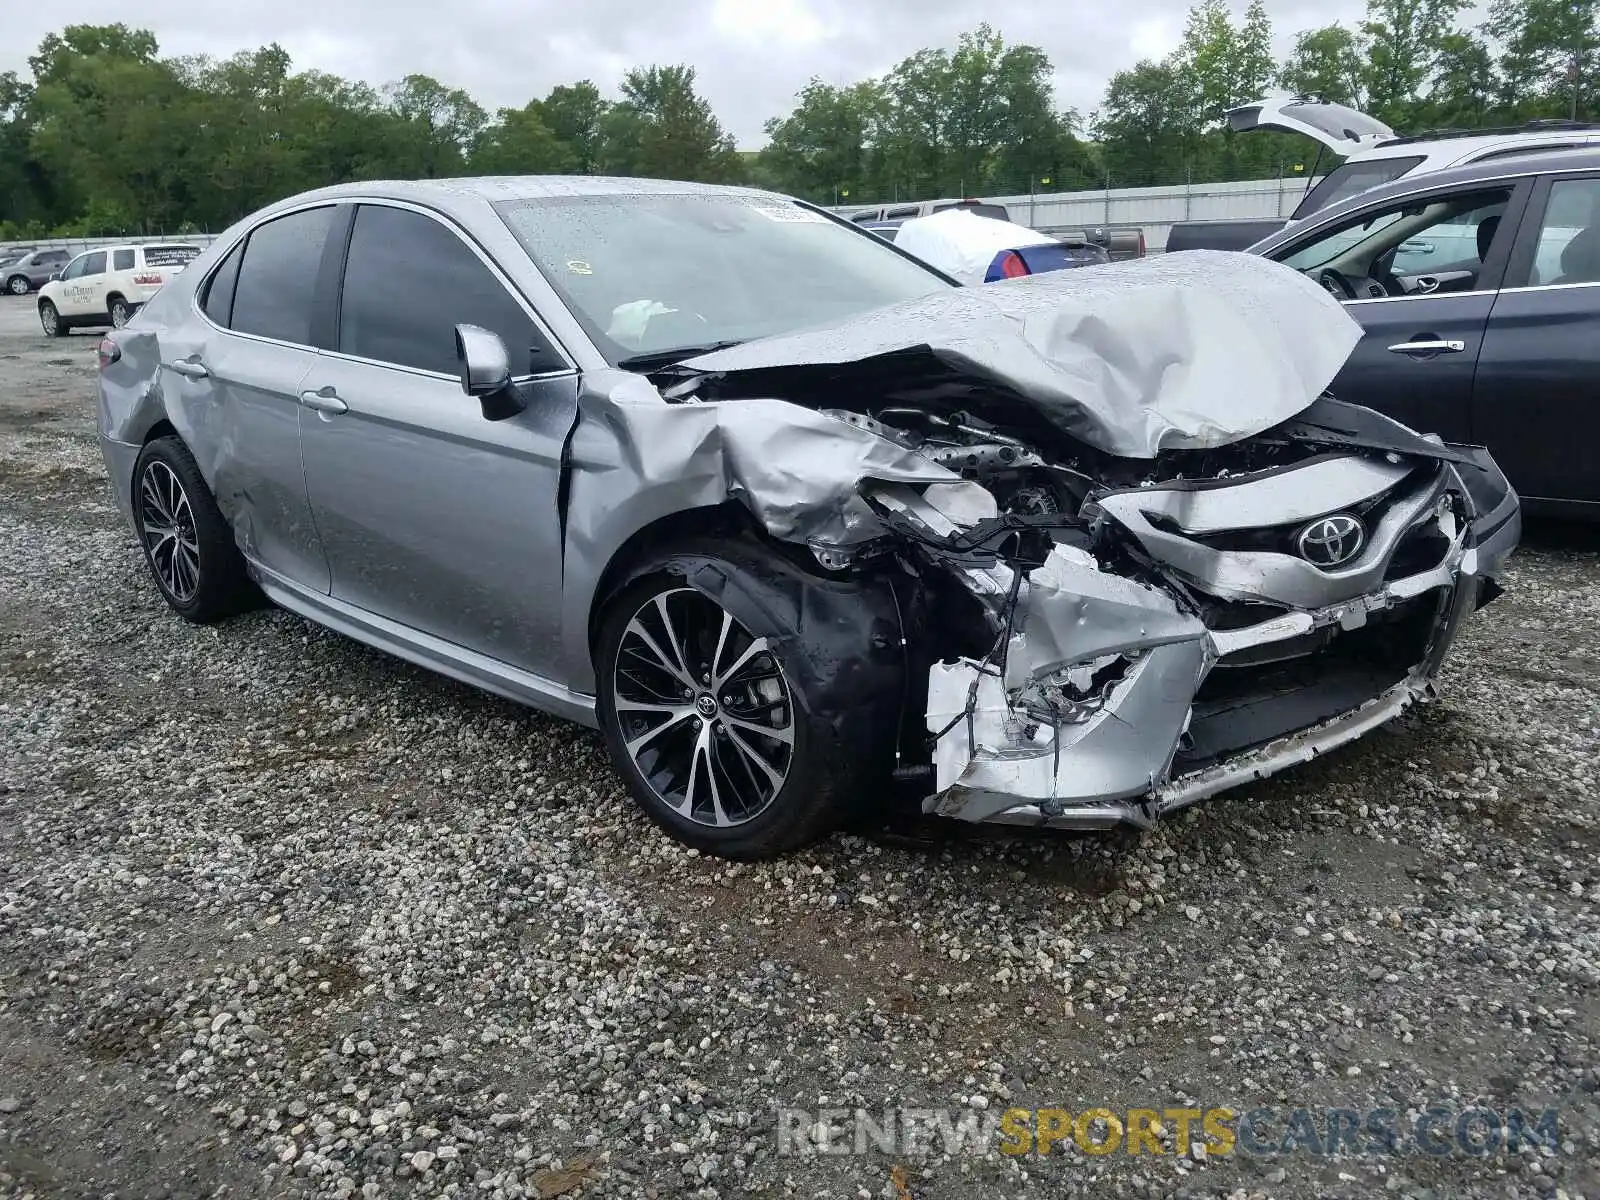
(1184, 351)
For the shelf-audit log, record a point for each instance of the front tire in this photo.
(51, 321)
(19, 285)
(734, 730)
(187, 543)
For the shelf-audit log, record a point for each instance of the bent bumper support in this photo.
(1103, 755)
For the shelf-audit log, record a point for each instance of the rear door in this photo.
(1536, 403)
(233, 388)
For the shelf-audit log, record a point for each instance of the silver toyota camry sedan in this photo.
(802, 525)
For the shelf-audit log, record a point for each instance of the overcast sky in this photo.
(751, 55)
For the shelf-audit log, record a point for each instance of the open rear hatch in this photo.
(1340, 129)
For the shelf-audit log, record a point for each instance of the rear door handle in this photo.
(324, 400)
(1428, 346)
(191, 368)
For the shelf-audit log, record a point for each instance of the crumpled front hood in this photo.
(1174, 352)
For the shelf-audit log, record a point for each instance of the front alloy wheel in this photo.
(703, 708)
(18, 285)
(50, 320)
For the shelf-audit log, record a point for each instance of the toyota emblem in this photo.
(1330, 541)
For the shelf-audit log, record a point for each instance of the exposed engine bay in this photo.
(1105, 639)
(1135, 553)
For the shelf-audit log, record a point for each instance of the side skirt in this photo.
(425, 650)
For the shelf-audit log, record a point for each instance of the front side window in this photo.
(94, 264)
(1351, 179)
(648, 274)
(122, 260)
(76, 267)
(1569, 234)
(1432, 243)
(409, 281)
(278, 276)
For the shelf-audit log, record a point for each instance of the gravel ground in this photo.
(281, 915)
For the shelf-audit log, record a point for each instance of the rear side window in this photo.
(1352, 179)
(409, 281)
(278, 277)
(218, 300)
(122, 260)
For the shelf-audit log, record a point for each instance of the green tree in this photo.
(819, 151)
(576, 114)
(519, 142)
(663, 129)
(437, 125)
(1549, 61)
(1328, 63)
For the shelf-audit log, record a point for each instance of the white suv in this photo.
(107, 285)
(1374, 154)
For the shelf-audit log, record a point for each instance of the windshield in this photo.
(651, 273)
(1352, 179)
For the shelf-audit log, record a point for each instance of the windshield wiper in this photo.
(665, 358)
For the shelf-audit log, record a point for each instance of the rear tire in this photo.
(736, 729)
(51, 321)
(121, 312)
(187, 543)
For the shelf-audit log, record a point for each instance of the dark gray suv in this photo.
(32, 271)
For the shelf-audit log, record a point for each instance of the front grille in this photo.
(1246, 702)
(1277, 539)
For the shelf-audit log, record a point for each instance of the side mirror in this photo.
(486, 372)
(55, 276)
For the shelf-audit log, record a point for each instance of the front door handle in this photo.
(191, 368)
(1428, 346)
(324, 400)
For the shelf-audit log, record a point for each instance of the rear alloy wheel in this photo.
(736, 734)
(50, 320)
(18, 285)
(187, 543)
(121, 312)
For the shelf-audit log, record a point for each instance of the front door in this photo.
(1537, 400)
(1419, 275)
(431, 514)
(80, 294)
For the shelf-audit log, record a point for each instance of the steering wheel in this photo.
(1336, 283)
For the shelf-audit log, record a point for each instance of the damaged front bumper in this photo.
(1118, 701)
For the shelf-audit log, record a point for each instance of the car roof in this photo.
(1453, 147)
(495, 189)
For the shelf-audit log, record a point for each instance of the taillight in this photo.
(1012, 266)
(147, 280)
(107, 352)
